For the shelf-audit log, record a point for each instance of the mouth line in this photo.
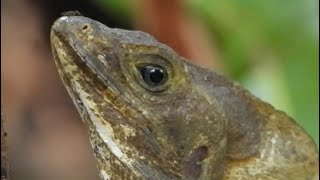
(88, 72)
(95, 80)
(86, 63)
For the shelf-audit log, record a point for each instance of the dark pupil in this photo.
(152, 75)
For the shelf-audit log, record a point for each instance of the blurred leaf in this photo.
(119, 7)
(249, 31)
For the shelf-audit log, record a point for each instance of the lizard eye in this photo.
(154, 76)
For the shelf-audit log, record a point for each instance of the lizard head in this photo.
(139, 100)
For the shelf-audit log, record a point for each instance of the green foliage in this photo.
(274, 42)
(118, 7)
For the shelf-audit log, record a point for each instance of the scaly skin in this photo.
(196, 125)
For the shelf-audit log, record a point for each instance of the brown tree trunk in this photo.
(5, 168)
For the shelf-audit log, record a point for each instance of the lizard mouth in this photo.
(64, 56)
(90, 95)
(79, 70)
(73, 53)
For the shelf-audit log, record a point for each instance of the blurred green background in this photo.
(270, 47)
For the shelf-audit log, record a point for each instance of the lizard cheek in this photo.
(193, 165)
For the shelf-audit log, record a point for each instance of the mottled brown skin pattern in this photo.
(197, 125)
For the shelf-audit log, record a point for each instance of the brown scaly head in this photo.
(153, 115)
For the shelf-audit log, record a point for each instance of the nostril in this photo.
(193, 165)
(85, 27)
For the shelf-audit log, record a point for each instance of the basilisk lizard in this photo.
(153, 115)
